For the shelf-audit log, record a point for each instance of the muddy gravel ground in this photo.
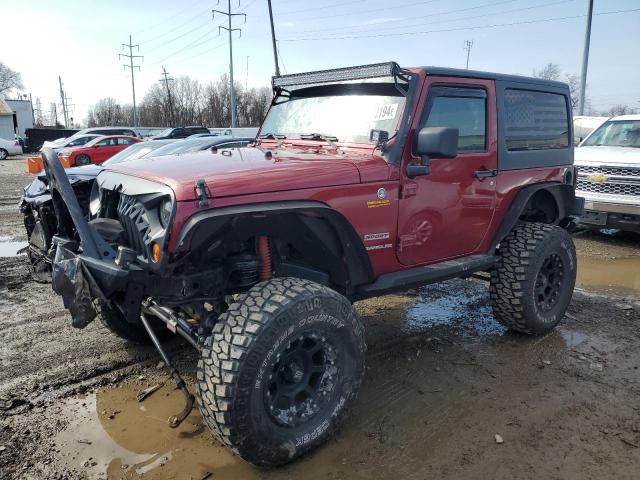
(448, 394)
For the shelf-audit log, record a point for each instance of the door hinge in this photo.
(202, 190)
(409, 189)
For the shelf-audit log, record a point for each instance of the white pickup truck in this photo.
(608, 164)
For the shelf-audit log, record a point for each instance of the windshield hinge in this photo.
(203, 193)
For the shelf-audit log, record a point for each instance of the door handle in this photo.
(485, 173)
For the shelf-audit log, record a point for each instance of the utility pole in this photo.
(166, 80)
(69, 108)
(585, 60)
(54, 115)
(468, 45)
(246, 79)
(64, 104)
(273, 40)
(230, 29)
(131, 56)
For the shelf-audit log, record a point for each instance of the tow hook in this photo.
(173, 420)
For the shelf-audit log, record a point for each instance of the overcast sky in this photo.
(80, 40)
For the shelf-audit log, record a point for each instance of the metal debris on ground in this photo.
(148, 391)
(499, 439)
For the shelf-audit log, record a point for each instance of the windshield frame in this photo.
(370, 89)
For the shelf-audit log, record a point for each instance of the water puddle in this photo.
(455, 303)
(620, 275)
(10, 247)
(111, 435)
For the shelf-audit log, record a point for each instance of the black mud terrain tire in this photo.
(114, 320)
(533, 281)
(280, 370)
(3, 154)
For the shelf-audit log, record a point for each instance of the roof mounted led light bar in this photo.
(376, 70)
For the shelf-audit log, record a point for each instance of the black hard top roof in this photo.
(460, 72)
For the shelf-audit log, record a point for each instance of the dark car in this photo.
(179, 132)
(36, 205)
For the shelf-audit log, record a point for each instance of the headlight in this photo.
(94, 200)
(36, 188)
(166, 208)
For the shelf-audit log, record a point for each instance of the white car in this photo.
(9, 147)
(69, 142)
(608, 164)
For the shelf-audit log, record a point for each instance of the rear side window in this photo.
(461, 108)
(535, 120)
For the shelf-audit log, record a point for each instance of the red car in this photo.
(97, 150)
(363, 181)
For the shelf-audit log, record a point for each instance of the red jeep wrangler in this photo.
(363, 181)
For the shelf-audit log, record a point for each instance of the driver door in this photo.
(447, 212)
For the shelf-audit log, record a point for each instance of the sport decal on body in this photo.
(376, 236)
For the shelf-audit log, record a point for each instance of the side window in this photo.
(535, 120)
(124, 141)
(104, 143)
(461, 108)
(179, 132)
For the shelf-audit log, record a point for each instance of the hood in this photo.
(607, 155)
(77, 174)
(244, 171)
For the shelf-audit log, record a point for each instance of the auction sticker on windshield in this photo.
(386, 112)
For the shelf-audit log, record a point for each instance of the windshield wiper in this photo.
(272, 136)
(319, 136)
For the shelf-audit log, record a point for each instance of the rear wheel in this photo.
(82, 160)
(3, 154)
(280, 370)
(533, 281)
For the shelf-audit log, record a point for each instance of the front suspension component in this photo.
(174, 420)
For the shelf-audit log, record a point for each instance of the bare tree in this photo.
(192, 103)
(551, 71)
(619, 110)
(10, 80)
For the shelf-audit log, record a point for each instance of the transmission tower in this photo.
(230, 29)
(468, 45)
(63, 100)
(131, 66)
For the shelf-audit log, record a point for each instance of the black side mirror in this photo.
(437, 142)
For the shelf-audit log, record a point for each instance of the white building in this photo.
(8, 121)
(15, 117)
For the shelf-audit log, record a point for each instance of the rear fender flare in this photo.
(563, 195)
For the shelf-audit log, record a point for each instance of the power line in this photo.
(182, 60)
(174, 39)
(323, 7)
(475, 27)
(131, 66)
(431, 15)
(230, 29)
(181, 11)
(201, 40)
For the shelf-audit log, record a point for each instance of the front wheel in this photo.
(532, 283)
(280, 370)
(3, 154)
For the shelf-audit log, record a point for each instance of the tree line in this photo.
(186, 101)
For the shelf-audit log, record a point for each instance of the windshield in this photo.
(164, 133)
(346, 112)
(184, 146)
(616, 133)
(137, 150)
